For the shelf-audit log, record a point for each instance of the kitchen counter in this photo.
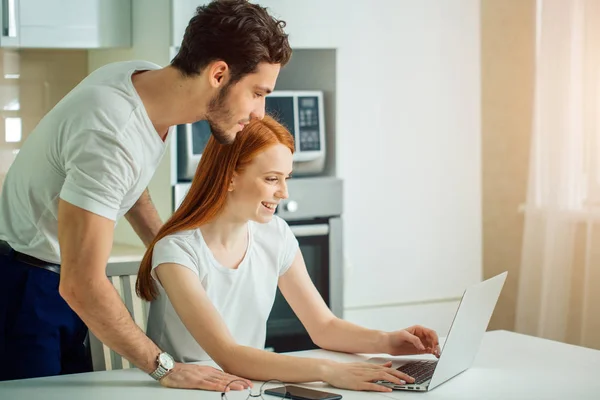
(124, 259)
(126, 253)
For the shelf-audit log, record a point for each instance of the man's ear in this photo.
(218, 73)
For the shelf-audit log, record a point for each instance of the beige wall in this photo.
(507, 56)
(151, 40)
(31, 83)
(47, 75)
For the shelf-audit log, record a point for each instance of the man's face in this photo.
(236, 104)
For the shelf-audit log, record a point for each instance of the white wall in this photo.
(151, 41)
(408, 142)
(408, 126)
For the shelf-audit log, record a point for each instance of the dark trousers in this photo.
(40, 335)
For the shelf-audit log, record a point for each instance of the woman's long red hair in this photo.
(206, 197)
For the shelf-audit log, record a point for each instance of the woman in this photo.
(213, 270)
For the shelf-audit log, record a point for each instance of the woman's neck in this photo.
(225, 233)
(227, 240)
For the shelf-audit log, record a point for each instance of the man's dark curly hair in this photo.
(237, 32)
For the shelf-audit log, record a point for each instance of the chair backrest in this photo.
(123, 276)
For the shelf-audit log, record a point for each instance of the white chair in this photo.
(123, 276)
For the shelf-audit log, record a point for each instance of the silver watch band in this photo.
(159, 373)
(165, 364)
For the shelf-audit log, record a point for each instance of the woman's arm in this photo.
(203, 321)
(332, 333)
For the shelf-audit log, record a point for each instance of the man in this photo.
(88, 163)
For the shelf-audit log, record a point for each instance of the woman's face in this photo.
(256, 191)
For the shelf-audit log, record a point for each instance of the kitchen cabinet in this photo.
(308, 29)
(181, 13)
(65, 24)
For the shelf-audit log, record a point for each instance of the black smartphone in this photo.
(300, 393)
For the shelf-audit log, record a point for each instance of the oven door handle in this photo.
(310, 230)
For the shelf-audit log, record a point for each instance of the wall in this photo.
(408, 147)
(408, 143)
(151, 41)
(507, 65)
(408, 140)
(31, 82)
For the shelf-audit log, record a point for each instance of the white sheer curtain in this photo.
(560, 269)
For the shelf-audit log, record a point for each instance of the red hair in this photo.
(206, 197)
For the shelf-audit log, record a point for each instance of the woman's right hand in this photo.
(361, 376)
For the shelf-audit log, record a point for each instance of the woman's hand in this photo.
(414, 340)
(361, 376)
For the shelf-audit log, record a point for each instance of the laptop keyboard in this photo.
(420, 370)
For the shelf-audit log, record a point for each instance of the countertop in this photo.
(123, 253)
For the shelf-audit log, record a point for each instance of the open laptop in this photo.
(463, 340)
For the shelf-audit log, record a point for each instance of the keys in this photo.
(420, 370)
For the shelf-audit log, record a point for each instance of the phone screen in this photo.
(300, 393)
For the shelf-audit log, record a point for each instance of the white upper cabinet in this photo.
(66, 24)
(181, 12)
(311, 24)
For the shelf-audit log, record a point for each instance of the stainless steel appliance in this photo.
(300, 111)
(191, 140)
(313, 211)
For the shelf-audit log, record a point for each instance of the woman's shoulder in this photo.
(188, 238)
(180, 248)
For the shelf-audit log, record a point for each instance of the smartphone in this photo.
(300, 393)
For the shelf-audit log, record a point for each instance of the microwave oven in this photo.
(300, 111)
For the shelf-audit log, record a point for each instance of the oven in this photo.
(320, 243)
(314, 213)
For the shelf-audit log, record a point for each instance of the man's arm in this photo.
(144, 218)
(85, 243)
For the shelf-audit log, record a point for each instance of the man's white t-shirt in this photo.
(243, 296)
(96, 149)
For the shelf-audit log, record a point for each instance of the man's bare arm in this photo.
(144, 218)
(85, 243)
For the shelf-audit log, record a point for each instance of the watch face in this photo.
(166, 361)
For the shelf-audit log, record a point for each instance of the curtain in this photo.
(560, 265)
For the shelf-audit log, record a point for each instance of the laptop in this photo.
(462, 343)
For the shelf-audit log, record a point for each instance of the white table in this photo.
(508, 366)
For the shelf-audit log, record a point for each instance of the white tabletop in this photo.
(508, 366)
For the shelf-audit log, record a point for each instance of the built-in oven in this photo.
(313, 211)
(320, 243)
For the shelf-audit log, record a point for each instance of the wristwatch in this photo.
(165, 365)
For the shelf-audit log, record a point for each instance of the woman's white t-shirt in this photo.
(243, 296)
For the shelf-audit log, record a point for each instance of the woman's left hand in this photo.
(413, 340)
